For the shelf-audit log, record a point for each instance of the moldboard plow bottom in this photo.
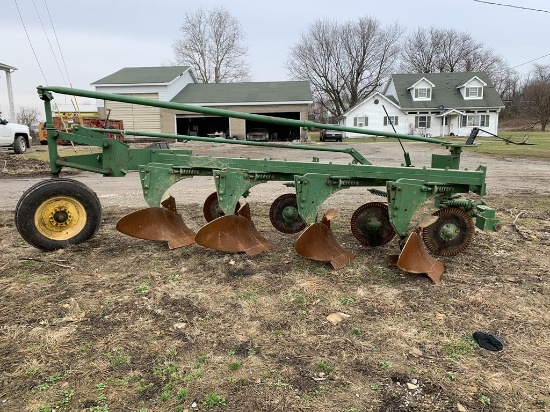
(233, 233)
(62, 212)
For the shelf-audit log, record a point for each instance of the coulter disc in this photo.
(370, 224)
(451, 234)
(284, 214)
(211, 208)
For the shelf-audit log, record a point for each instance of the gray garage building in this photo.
(289, 99)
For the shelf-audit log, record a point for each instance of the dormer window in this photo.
(423, 93)
(422, 89)
(474, 92)
(472, 89)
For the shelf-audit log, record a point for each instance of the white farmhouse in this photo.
(429, 104)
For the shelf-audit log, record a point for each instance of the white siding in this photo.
(176, 86)
(375, 114)
(391, 91)
(132, 89)
(136, 117)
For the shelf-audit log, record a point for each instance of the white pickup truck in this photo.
(16, 136)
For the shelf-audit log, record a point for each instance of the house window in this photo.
(474, 92)
(422, 121)
(360, 121)
(423, 93)
(392, 120)
(475, 120)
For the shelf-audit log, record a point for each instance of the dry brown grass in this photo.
(129, 325)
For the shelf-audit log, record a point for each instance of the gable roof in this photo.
(445, 93)
(418, 81)
(247, 92)
(390, 100)
(469, 80)
(144, 75)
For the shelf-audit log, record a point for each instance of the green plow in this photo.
(64, 212)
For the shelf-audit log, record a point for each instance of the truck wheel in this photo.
(19, 144)
(56, 213)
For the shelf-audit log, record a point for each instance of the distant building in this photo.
(430, 104)
(288, 99)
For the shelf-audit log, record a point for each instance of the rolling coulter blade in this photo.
(158, 223)
(414, 258)
(318, 243)
(233, 233)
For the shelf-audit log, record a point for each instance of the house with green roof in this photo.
(289, 99)
(430, 104)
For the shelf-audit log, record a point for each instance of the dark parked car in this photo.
(258, 134)
(331, 135)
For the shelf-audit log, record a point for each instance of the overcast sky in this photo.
(100, 37)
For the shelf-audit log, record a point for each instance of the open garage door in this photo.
(277, 132)
(206, 126)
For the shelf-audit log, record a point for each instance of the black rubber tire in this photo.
(19, 144)
(34, 200)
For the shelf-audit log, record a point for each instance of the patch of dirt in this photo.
(13, 165)
(123, 324)
(129, 324)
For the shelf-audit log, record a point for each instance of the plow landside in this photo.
(405, 188)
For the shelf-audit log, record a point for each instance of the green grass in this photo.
(462, 348)
(486, 143)
(492, 145)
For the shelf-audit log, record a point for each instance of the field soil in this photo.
(122, 324)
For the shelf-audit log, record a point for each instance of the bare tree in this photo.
(420, 51)
(434, 50)
(212, 44)
(344, 63)
(27, 115)
(537, 95)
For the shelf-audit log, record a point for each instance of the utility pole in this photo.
(9, 70)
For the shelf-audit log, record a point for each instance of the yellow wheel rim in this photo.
(60, 218)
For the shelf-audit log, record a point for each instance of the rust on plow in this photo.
(233, 233)
(158, 223)
(414, 257)
(317, 242)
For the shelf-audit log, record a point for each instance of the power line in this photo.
(30, 42)
(49, 42)
(58, 45)
(531, 61)
(511, 5)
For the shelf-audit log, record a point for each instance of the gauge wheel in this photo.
(370, 224)
(284, 215)
(211, 208)
(451, 234)
(56, 213)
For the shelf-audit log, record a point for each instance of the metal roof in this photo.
(144, 75)
(248, 92)
(6, 67)
(446, 92)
